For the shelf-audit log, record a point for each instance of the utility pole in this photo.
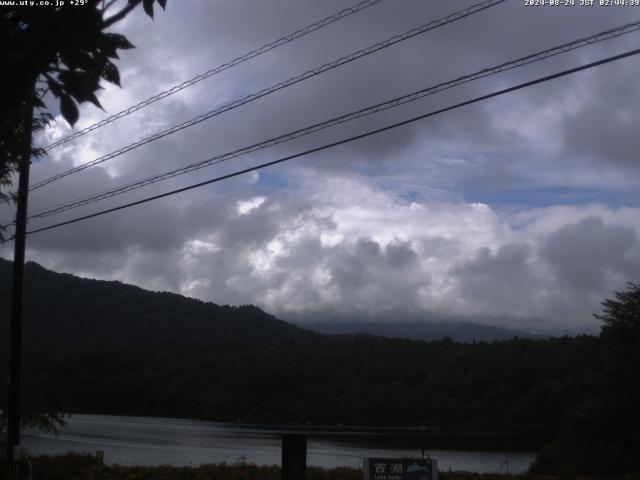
(294, 457)
(15, 335)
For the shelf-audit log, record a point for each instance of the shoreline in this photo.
(458, 438)
(67, 466)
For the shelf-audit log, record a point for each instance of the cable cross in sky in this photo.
(346, 140)
(455, 16)
(220, 68)
(519, 62)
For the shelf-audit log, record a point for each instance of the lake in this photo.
(168, 441)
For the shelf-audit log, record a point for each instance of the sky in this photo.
(520, 211)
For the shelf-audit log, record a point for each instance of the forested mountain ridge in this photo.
(63, 311)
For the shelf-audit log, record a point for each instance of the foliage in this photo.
(621, 318)
(75, 466)
(11, 132)
(66, 52)
(62, 467)
(602, 433)
(41, 402)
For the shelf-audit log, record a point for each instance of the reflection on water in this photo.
(166, 441)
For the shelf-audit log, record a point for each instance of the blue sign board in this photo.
(400, 469)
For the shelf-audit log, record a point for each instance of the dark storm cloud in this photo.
(605, 129)
(364, 271)
(158, 226)
(561, 280)
(501, 278)
(583, 254)
(188, 41)
(428, 59)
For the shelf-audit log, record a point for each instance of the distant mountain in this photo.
(437, 330)
(428, 329)
(63, 311)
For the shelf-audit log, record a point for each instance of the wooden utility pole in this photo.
(294, 457)
(15, 335)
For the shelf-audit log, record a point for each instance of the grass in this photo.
(85, 467)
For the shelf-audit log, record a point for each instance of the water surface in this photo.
(167, 441)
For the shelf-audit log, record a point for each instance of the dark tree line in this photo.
(513, 385)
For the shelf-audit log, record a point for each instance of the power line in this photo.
(532, 58)
(220, 68)
(460, 14)
(346, 140)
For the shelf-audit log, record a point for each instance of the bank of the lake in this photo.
(183, 442)
(76, 467)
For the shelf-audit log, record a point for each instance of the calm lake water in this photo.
(167, 441)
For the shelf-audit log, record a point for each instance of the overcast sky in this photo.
(523, 209)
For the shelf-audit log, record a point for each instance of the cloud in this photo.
(341, 245)
(493, 281)
(584, 254)
(479, 211)
(185, 42)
